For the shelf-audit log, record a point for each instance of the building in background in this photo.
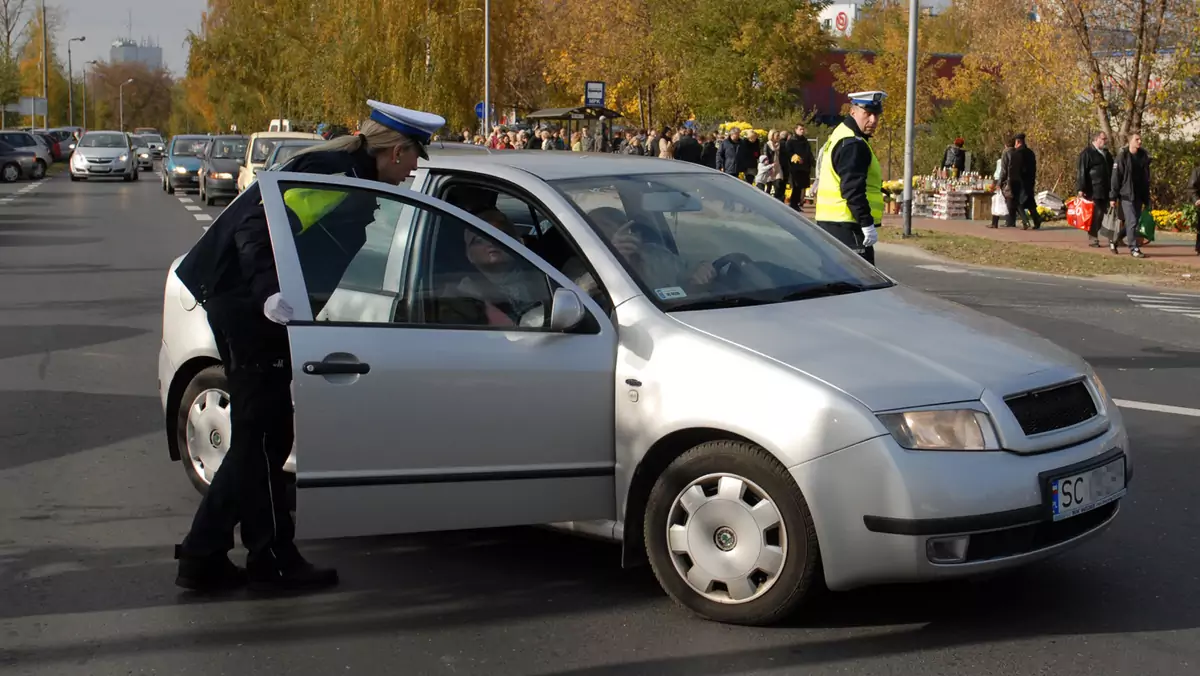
(148, 53)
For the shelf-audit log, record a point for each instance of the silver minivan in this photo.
(655, 353)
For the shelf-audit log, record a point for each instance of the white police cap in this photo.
(869, 101)
(414, 124)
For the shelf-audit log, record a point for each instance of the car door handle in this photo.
(326, 368)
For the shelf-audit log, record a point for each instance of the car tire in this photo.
(39, 170)
(195, 428)
(781, 560)
(10, 172)
(74, 178)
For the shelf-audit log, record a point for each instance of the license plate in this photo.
(1075, 494)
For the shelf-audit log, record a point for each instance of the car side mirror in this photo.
(566, 310)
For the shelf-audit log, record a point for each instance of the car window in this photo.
(102, 140)
(20, 140)
(345, 239)
(229, 149)
(262, 149)
(689, 238)
(188, 147)
(466, 278)
(283, 153)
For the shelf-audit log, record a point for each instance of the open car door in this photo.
(444, 377)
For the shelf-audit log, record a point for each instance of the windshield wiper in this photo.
(718, 302)
(831, 289)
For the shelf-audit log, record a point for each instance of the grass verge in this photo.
(1013, 255)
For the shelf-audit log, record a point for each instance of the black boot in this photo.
(207, 574)
(289, 572)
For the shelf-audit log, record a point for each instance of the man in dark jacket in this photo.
(1018, 176)
(955, 157)
(732, 153)
(708, 151)
(1131, 190)
(1093, 178)
(1194, 184)
(688, 149)
(798, 165)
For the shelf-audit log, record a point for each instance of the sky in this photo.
(101, 21)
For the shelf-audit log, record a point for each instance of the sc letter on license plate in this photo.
(1075, 494)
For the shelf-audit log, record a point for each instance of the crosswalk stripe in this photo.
(202, 217)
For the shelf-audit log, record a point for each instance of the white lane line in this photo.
(1160, 408)
(185, 200)
(207, 227)
(202, 217)
(192, 207)
(942, 268)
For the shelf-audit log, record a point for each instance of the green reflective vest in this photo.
(311, 204)
(831, 206)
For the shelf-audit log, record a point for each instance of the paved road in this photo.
(90, 506)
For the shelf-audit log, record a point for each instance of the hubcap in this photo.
(208, 425)
(727, 538)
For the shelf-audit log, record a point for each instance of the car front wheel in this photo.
(202, 426)
(730, 536)
(39, 169)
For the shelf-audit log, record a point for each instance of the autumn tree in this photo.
(147, 100)
(30, 65)
(12, 19)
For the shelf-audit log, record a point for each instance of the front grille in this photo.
(1032, 537)
(1052, 409)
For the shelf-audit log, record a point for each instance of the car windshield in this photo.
(188, 147)
(285, 153)
(231, 149)
(262, 150)
(699, 241)
(103, 141)
(153, 138)
(139, 141)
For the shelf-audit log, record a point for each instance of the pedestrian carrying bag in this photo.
(1079, 213)
(999, 206)
(1146, 225)
(1110, 226)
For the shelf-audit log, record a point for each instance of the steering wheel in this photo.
(745, 267)
(737, 258)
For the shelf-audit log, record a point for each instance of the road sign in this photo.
(479, 110)
(594, 95)
(842, 21)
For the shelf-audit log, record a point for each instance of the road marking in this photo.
(1185, 305)
(207, 227)
(202, 217)
(942, 268)
(185, 200)
(1159, 408)
(192, 207)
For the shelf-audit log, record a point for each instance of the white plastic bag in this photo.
(999, 206)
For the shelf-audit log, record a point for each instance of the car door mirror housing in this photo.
(566, 310)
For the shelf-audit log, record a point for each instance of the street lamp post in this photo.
(121, 101)
(71, 83)
(910, 111)
(487, 67)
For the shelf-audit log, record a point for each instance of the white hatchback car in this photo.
(659, 354)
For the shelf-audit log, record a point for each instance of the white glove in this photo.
(870, 236)
(277, 309)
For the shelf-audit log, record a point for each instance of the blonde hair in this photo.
(372, 136)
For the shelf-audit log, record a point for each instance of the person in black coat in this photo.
(231, 273)
(731, 154)
(1130, 189)
(1018, 178)
(708, 152)
(1194, 188)
(798, 165)
(688, 148)
(1093, 176)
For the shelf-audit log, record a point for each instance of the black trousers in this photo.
(1018, 204)
(851, 235)
(250, 487)
(800, 182)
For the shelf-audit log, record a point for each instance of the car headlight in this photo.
(180, 170)
(123, 157)
(220, 175)
(942, 430)
(144, 155)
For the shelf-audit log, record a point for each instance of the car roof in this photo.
(190, 137)
(553, 165)
(285, 134)
(103, 131)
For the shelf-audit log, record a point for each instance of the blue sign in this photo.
(479, 110)
(594, 95)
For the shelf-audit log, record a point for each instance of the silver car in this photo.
(658, 354)
(141, 150)
(104, 154)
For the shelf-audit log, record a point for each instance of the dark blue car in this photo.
(181, 162)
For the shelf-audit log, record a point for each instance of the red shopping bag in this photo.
(1079, 213)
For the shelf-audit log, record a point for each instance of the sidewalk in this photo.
(1175, 248)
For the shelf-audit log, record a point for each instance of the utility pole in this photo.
(45, 74)
(71, 83)
(910, 111)
(487, 67)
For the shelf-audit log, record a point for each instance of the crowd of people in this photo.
(780, 162)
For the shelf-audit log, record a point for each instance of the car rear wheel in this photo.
(202, 426)
(10, 172)
(730, 536)
(39, 169)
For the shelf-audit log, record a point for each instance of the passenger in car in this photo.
(639, 245)
(497, 289)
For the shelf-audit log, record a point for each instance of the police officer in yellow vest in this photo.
(850, 183)
(231, 273)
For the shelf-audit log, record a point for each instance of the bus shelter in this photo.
(581, 118)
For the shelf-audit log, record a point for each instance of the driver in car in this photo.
(653, 263)
(502, 288)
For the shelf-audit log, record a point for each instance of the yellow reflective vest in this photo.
(311, 204)
(831, 206)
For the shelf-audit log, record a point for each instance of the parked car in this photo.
(219, 167)
(284, 150)
(66, 137)
(181, 164)
(141, 151)
(259, 148)
(675, 361)
(104, 154)
(51, 143)
(16, 163)
(27, 141)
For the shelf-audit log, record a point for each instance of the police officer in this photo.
(850, 182)
(231, 272)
